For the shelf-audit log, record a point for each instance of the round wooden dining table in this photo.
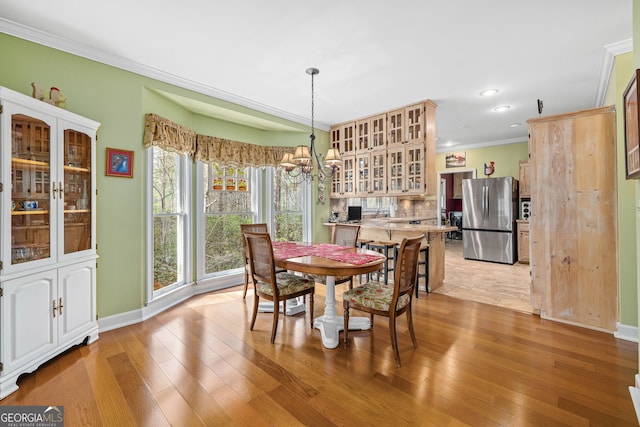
(329, 323)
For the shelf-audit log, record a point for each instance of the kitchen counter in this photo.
(396, 229)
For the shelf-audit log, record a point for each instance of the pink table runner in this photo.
(286, 250)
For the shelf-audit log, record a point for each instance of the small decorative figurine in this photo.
(489, 169)
(55, 96)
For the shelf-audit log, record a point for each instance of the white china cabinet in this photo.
(47, 238)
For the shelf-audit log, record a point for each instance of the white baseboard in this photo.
(167, 301)
(627, 333)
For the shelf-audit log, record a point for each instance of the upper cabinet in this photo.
(394, 153)
(48, 179)
(343, 137)
(457, 183)
(406, 170)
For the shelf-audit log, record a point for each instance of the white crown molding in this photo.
(84, 51)
(608, 58)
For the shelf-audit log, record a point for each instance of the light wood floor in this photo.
(476, 364)
(491, 283)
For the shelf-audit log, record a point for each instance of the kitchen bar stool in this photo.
(389, 250)
(424, 251)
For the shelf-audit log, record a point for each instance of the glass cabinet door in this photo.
(30, 185)
(363, 174)
(396, 172)
(76, 191)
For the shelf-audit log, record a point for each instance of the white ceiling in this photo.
(373, 55)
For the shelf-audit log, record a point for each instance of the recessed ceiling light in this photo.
(488, 92)
(515, 125)
(501, 108)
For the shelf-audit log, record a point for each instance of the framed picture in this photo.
(119, 163)
(631, 125)
(456, 160)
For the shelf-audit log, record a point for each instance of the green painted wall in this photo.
(623, 69)
(506, 158)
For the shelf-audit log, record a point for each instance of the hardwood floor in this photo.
(476, 364)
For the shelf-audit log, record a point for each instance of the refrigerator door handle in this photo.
(484, 203)
(486, 195)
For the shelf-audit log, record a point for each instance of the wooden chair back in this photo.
(406, 268)
(251, 228)
(346, 235)
(261, 263)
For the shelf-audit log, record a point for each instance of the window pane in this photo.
(227, 204)
(168, 237)
(165, 181)
(287, 207)
(288, 193)
(288, 227)
(223, 245)
(165, 251)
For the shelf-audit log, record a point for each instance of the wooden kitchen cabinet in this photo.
(525, 179)
(394, 153)
(523, 241)
(343, 183)
(47, 237)
(406, 170)
(371, 133)
(457, 183)
(343, 137)
(573, 228)
(371, 175)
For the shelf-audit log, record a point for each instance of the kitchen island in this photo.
(396, 229)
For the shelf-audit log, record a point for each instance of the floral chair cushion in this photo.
(288, 283)
(374, 295)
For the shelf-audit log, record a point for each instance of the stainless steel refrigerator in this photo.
(489, 212)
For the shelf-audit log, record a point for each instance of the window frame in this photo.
(256, 198)
(184, 216)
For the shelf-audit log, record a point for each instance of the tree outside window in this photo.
(168, 242)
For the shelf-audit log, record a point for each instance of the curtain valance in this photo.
(225, 152)
(171, 136)
(168, 135)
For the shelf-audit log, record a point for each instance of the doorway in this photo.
(450, 194)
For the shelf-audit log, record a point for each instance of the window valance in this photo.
(225, 152)
(168, 135)
(171, 136)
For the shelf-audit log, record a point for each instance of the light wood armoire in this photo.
(574, 231)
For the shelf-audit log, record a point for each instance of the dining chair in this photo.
(272, 286)
(254, 228)
(343, 235)
(378, 298)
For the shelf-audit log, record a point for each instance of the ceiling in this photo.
(373, 55)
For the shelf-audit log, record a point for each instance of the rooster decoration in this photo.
(489, 169)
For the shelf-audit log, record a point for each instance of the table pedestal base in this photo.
(293, 307)
(330, 328)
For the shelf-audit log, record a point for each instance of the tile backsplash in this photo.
(404, 208)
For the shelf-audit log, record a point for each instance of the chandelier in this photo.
(305, 164)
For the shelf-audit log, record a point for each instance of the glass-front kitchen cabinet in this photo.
(47, 238)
